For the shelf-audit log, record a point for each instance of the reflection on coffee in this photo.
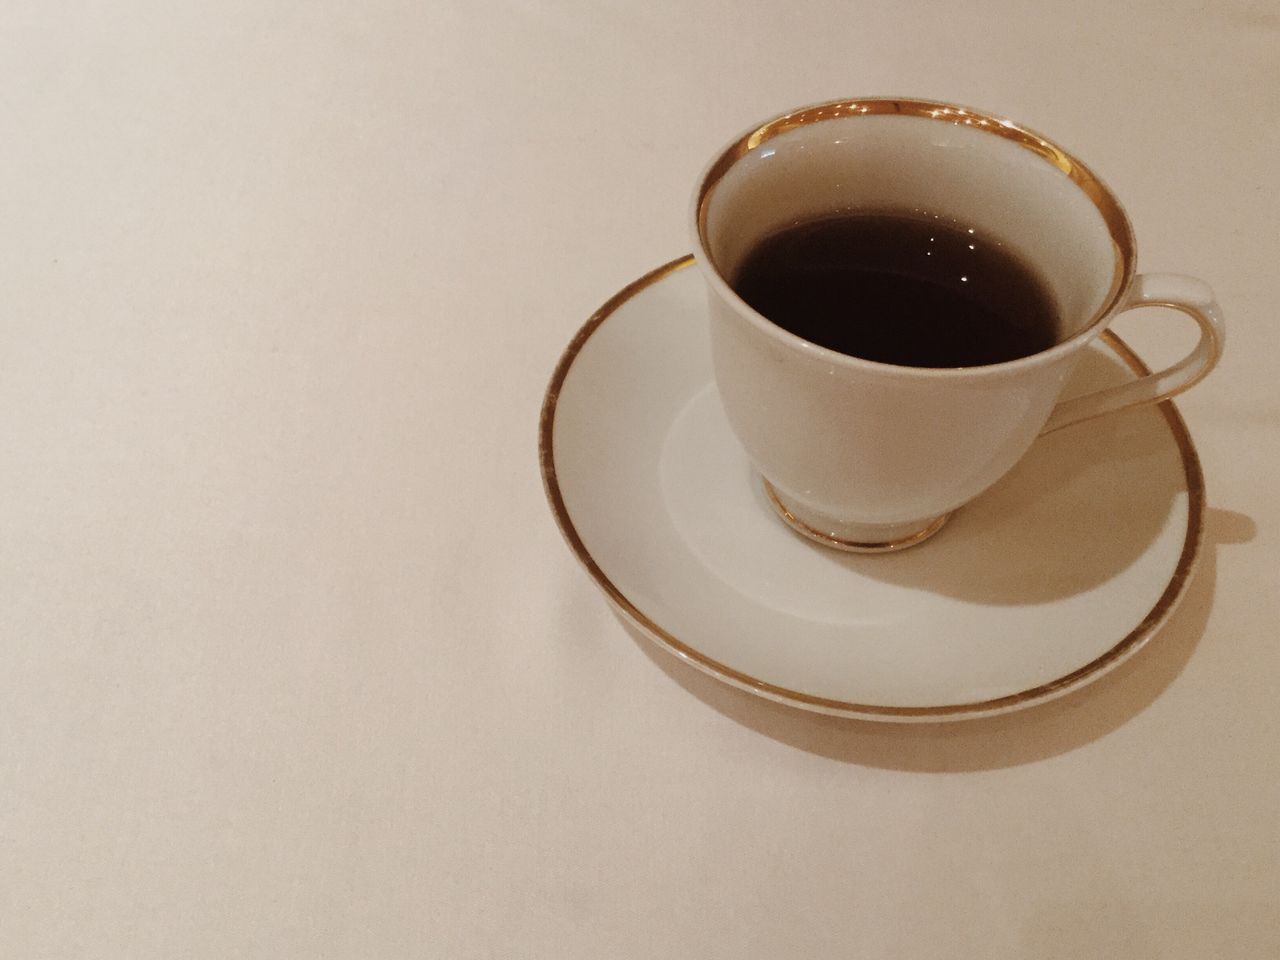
(906, 290)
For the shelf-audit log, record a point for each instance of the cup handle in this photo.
(1186, 294)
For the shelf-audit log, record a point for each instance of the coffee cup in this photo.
(870, 448)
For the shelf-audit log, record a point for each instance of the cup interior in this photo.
(924, 160)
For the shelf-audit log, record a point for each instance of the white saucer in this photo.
(1053, 577)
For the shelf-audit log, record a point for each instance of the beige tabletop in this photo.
(295, 661)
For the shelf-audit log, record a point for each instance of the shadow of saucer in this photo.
(1008, 740)
(1035, 534)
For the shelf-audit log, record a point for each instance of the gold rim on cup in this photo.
(1108, 207)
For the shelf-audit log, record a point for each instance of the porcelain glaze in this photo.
(869, 452)
(1036, 589)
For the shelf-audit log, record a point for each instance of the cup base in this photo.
(857, 537)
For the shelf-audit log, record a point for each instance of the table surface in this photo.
(296, 661)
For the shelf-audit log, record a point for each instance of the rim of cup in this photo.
(1084, 179)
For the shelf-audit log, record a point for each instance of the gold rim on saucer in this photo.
(1125, 647)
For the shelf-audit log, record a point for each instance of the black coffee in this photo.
(904, 290)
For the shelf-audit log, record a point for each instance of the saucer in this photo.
(1054, 576)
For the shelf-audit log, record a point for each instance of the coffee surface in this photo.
(917, 292)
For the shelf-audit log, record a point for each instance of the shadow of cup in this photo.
(1007, 740)
(1034, 534)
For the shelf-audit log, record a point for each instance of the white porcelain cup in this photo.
(870, 456)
